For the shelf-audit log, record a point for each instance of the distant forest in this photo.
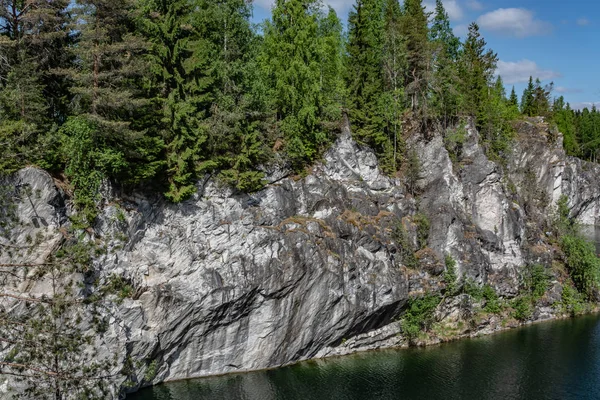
(162, 92)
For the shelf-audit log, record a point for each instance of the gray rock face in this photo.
(309, 267)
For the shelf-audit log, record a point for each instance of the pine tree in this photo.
(291, 58)
(364, 74)
(527, 106)
(108, 84)
(331, 54)
(415, 30)
(446, 46)
(236, 140)
(393, 97)
(46, 336)
(32, 41)
(182, 89)
(441, 32)
(513, 99)
(564, 117)
(476, 68)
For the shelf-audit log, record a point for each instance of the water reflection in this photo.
(558, 360)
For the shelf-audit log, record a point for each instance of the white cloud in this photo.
(475, 5)
(520, 71)
(340, 6)
(565, 90)
(585, 104)
(518, 22)
(583, 21)
(452, 7)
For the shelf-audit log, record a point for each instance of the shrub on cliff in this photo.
(419, 315)
(583, 264)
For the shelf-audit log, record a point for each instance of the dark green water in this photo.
(554, 360)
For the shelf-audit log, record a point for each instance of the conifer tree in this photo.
(564, 117)
(527, 106)
(182, 89)
(108, 81)
(292, 52)
(446, 46)
(476, 68)
(415, 30)
(236, 140)
(32, 40)
(364, 73)
(513, 99)
(393, 99)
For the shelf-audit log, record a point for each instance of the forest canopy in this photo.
(161, 93)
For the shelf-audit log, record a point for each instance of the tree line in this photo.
(160, 93)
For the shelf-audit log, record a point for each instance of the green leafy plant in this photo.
(419, 315)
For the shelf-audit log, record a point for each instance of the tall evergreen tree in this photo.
(527, 106)
(182, 89)
(416, 32)
(476, 67)
(236, 142)
(292, 52)
(393, 98)
(33, 35)
(446, 46)
(364, 73)
(441, 32)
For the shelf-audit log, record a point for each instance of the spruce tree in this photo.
(417, 76)
(33, 37)
(292, 52)
(513, 99)
(393, 98)
(181, 88)
(364, 73)
(236, 140)
(527, 106)
(446, 46)
(476, 68)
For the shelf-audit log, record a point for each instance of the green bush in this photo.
(571, 300)
(471, 288)
(419, 315)
(537, 280)
(405, 247)
(582, 263)
(450, 276)
(423, 226)
(522, 309)
(492, 301)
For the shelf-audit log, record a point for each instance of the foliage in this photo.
(405, 247)
(572, 301)
(47, 337)
(419, 315)
(471, 288)
(450, 276)
(492, 301)
(423, 226)
(583, 264)
(293, 50)
(522, 309)
(537, 280)
(454, 141)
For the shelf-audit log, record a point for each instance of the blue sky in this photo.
(556, 40)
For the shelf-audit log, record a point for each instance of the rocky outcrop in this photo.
(309, 266)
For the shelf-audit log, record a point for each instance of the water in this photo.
(554, 360)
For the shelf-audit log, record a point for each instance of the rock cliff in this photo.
(309, 266)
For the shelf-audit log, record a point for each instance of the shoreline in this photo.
(498, 329)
